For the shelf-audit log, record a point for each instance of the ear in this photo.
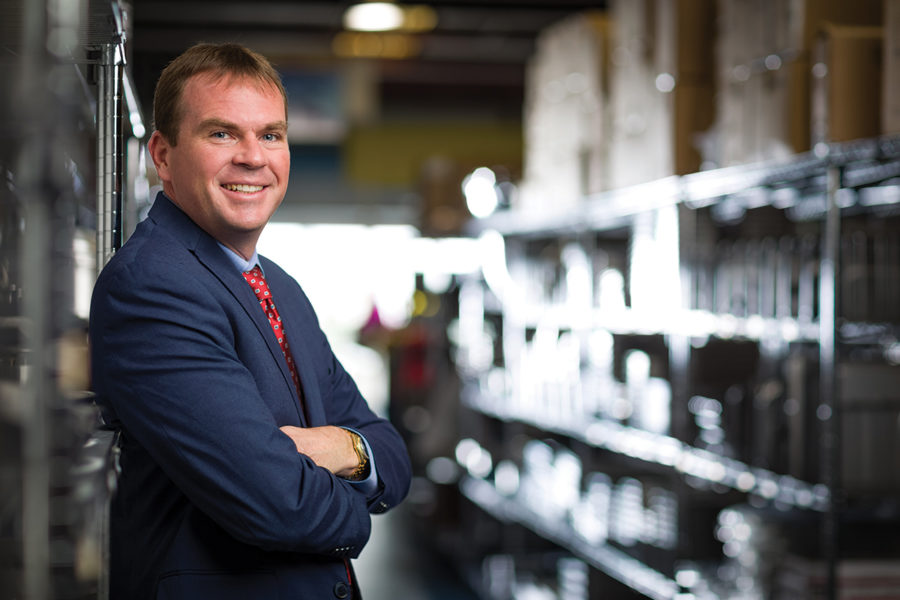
(159, 147)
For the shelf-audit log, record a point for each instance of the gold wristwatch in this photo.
(362, 468)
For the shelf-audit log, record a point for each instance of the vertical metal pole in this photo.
(117, 148)
(110, 198)
(109, 153)
(36, 437)
(828, 409)
(103, 206)
(34, 194)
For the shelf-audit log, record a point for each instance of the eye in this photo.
(220, 135)
(271, 137)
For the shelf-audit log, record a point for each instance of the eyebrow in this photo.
(222, 124)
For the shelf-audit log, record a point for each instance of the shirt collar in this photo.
(239, 262)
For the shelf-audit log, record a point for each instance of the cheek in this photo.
(282, 165)
(192, 167)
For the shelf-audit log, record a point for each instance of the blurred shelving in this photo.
(66, 120)
(667, 451)
(618, 564)
(756, 275)
(796, 184)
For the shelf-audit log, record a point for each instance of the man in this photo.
(250, 463)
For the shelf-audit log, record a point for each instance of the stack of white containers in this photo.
(653, 88)
(564, 115)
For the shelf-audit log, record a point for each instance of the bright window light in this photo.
(373, 16)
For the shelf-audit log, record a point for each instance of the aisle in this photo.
(394, 566)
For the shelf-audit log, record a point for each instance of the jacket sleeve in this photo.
(344, 405)
(164, 359)
(389, 452)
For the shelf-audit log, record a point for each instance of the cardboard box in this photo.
(847, 85)
(890, 98)
(765, 59)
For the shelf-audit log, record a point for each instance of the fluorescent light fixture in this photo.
(373, 16)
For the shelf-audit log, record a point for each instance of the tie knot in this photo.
(258, 283)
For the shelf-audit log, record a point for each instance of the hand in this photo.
(329, 447)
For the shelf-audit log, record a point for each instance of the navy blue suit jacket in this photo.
(213, 500)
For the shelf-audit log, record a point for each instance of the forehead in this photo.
(207, 93)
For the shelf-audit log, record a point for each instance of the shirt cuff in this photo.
(369, 485)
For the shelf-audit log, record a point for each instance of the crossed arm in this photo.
(328, 446)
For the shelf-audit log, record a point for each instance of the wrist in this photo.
(361, 469)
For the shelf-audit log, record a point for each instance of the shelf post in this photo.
(109, 152)
(35, 193)
(828, 410)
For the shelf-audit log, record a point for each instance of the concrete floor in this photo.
(393, 566)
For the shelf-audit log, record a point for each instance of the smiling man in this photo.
(227, 163)
(250, 461)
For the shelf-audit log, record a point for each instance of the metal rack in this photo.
(816, 191)
(669, 452)
(66, 179)
(782, 184)
(618, 564)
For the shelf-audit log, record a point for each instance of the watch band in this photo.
(362, 468)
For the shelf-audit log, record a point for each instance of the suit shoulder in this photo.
(151, 252)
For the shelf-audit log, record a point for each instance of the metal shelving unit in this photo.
(63, 162)
(793, 211)
(608, 559)
(669, 452)
(782, 184)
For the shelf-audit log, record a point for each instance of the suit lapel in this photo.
(211, 256)
(284, 294)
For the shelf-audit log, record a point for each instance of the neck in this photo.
(245, 251)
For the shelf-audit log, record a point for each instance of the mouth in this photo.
(243, 188)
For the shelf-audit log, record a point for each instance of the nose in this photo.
(249, 153)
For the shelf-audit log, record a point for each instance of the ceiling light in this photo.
(373, 16)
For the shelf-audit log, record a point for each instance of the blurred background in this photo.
(625, 274)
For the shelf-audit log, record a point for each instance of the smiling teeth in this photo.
(243, 188)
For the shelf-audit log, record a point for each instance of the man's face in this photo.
(229, 170)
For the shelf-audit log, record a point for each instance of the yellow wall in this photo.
(392, 153)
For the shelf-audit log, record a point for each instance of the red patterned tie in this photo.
(258, 283)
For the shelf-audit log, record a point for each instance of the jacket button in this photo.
(341, 590)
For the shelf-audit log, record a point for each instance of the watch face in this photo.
(360, 447)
